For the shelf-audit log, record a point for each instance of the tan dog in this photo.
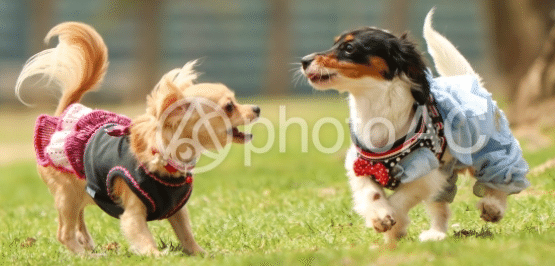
(78, 64)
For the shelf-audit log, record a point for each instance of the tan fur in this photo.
(375, 68)
(83, 54)
(94, 53)
(492, 206)
(348, 38)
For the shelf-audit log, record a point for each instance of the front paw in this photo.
(492, 209)
(381, 224)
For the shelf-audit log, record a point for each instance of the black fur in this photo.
(399, 53)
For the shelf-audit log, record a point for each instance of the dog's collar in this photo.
(399, 146)
(174, 166)
(171, 165)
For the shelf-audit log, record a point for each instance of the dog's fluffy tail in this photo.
(77, 64)
(447, 59)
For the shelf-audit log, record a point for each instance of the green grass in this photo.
(290, 208)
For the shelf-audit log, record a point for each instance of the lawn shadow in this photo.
(485, 232)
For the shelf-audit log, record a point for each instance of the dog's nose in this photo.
(256, 110)
(305, 61)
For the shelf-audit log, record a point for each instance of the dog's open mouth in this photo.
(321, 78)
(239, 137)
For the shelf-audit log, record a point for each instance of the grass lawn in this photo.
(287, 208)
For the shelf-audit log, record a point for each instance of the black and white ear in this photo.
(421, 94)
(420, 89)
(411, 63)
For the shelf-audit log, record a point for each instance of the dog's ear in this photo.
(179, 111)
(165, 94)
(421, 88)
(411, 63)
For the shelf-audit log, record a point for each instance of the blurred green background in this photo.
(247, 44)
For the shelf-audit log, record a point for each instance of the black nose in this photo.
(307, 60)
(256, 109)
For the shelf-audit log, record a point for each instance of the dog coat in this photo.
(90, 144)
(477, 135)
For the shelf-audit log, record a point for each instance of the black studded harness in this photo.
(429, 133)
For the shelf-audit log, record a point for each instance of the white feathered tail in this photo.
(447, 59)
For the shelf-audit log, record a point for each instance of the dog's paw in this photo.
(85, 241)
(492, 210)
(432, 235)
(196, 251)
(381, 224)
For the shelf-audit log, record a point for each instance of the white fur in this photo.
(447, 59)
(373, 103)
(372, 109)
(381, 112)
(450, 62)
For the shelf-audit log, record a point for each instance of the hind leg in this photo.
(493, 205)
(68, 216)
(83, 235)
(68, 192)
(439, 215)
(438, 207)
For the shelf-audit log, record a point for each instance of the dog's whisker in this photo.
(297, 78)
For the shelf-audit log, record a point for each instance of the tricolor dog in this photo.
(412, 132)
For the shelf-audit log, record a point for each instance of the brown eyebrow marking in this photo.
(349, 38)
(337, 38)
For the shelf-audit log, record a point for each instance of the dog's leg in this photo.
(68, 215)
(133, 220)
(371, 203)
(83, 235)
(439, 214)
(493, 205)
(182, 228)
(407, 195)
(68, 192)
(438, 207)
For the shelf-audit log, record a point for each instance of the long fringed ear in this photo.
(171, 86)
(187, 75)
(421, 88)
(421, 95)
(412, 64)
(177, 112)
(164, 94)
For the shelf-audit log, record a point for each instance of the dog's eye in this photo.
(349, 49)
(229, 107)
